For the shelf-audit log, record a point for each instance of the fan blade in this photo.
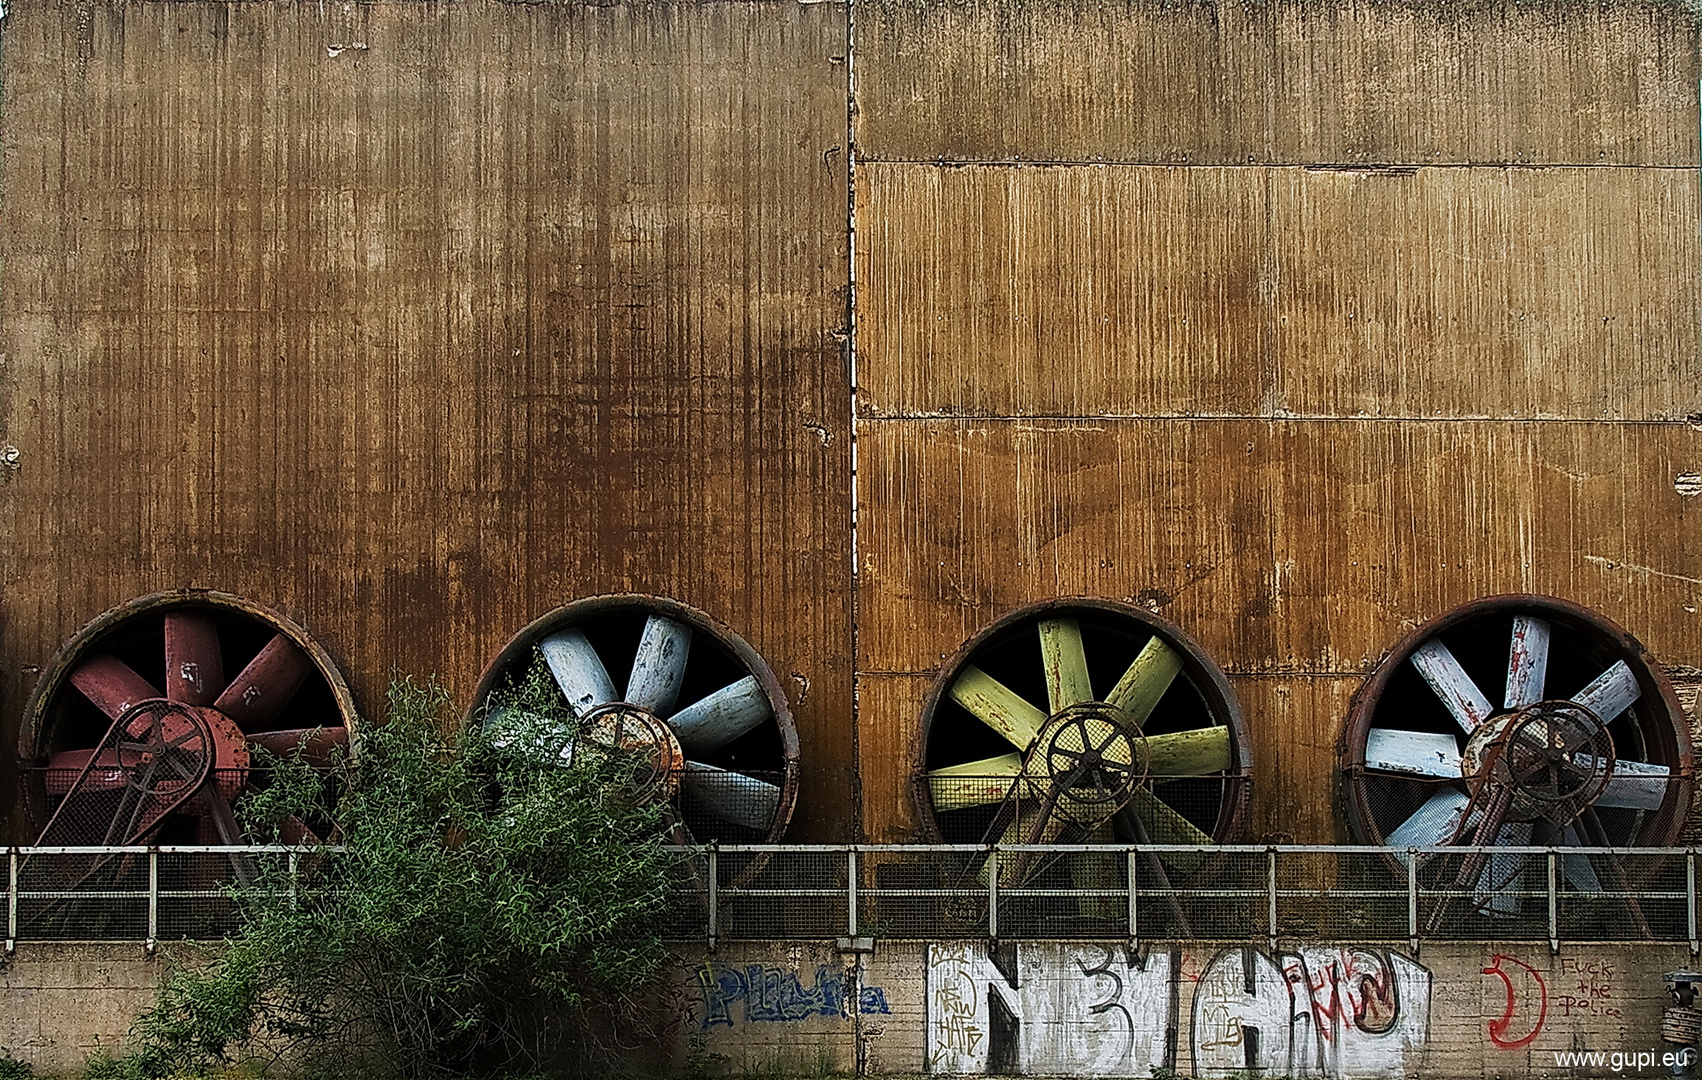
(1097, 871)
(112, 685)
(1611, 694)
(1147, 678)
(1016, 867)
(64, 767)
(1502, 876)
(194, 663)
(1579, 873)
(1165, 826)
(731, 796)
(1415, 753)
(1065, 661)
(1189, 753)
(316, 744)
(295, 832)
(997, 706)
(1433, 824)
(660, 665)
(1445, 675)
(974, 783)
(218, 808)
(723, 716)
(578, 671)
(261, 690)
(1634, 785)
(1527, 662)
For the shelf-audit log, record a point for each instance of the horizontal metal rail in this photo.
(1152, 892)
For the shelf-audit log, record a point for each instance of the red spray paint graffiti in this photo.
(1498, 1028)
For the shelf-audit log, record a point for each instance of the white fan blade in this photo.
(721, 717)
(1611, 694)
(1451, 683)
(1527, 662)
(731, 796)
(660, 665)
(1417, 753)
(1502, 877)
(1579, 873)
(578, 670)
(1433, 824)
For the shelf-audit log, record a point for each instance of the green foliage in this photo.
(490, 888)
(13, 1069)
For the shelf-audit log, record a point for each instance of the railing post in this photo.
(1553, 901)
(1690, 899)
(1134, 912)
(714, 871)
(295, 900)
(1412, 899)
(851, 891)
(993, 893)
(1271, 895)
(11, 902)
(153, 897)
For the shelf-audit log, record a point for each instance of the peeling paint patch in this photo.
(1688, 484)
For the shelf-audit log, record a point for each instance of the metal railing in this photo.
(1235, 893)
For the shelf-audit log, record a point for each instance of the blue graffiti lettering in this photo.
(773, 994)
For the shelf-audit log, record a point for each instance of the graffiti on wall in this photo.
(1108, 1010)
(1527, 1001)
(755, 993)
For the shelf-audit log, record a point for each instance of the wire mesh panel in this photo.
(782, 892)
(1325, 893)
(687, 915)
(83, 895)
(1218, 894)
(1621, 896)
(1062, 892)
(935, 893)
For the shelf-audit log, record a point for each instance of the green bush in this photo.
(492, 890)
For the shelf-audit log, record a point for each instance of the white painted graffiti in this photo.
(1104, 1010)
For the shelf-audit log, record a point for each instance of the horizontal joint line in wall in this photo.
(1275, 418)
(1392, 168)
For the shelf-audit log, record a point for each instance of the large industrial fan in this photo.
(1516, 721)
(141, 730)
(678, 691)
(1082, 721)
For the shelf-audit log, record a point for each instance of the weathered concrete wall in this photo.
(65, 1002)
(1085, 1009)
(1046, 1008)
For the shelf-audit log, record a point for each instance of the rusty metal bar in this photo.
(1134, 862)
(1271, 896)
(1553, 901)
(11, 902)
(851, 892)
(153, 898)
(714, 871)
(1412, 899)
(1690, 900)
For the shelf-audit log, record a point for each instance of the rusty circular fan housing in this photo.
(1083, 721)
(662, 677)
(142, 728)
(1517, 720)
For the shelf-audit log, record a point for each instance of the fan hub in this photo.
(177, 721)
(1092, 756)
(650, 743)
(1555, 758)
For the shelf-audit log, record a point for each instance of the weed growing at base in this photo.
(491, 888)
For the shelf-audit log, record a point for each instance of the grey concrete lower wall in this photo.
(1052, 1008)
(1092, 1009)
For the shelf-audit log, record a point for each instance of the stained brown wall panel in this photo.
(416, 321)
(1206, 291)
(1137, 320)
(1292, 83)
(1292, 550)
